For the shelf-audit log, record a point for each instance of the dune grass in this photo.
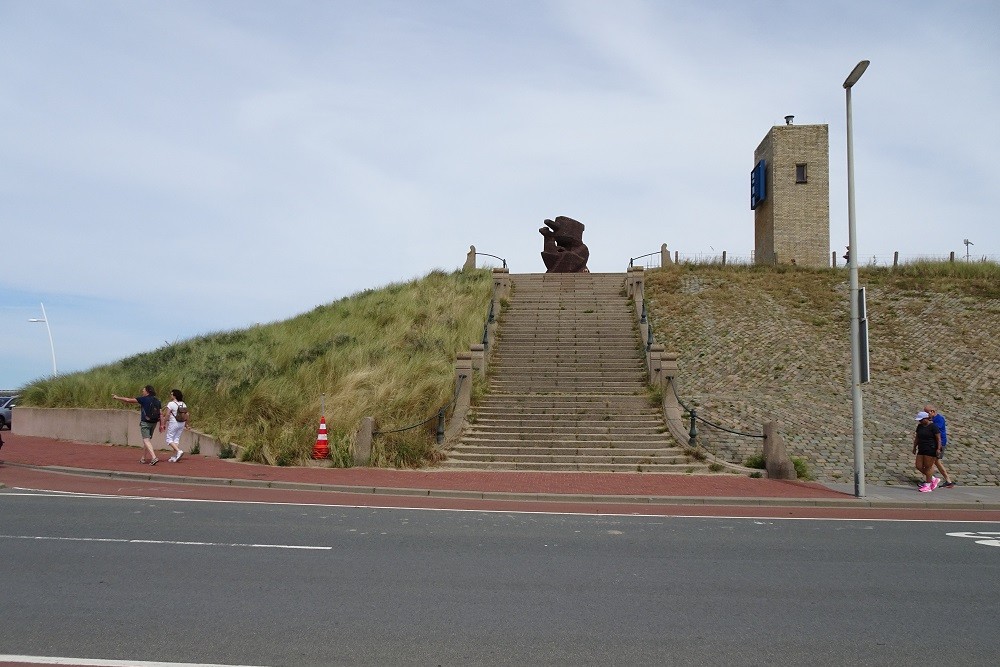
(387, 353)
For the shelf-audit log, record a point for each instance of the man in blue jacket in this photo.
(938, 420)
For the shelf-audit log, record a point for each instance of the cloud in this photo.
(252, 160)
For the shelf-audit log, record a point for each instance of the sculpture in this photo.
(564, 250)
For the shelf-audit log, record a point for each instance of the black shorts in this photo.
(927, 451)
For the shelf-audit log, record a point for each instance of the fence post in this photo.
(363, 442)
(693, 431)
(776, 460)
(643, 324)
(439, 437)
(723, 257)
(677, 257)
(895, 259)
(951, 257)
(833, 259)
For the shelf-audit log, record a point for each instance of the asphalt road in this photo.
(260, 584)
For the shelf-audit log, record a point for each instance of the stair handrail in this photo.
(631, 261)
(493, 256)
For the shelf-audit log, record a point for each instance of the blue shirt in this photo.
(939, 422)
(146, 405)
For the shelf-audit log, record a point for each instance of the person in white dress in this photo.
(175, 419)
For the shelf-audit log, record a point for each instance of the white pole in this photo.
(52, 346)
(857, 409)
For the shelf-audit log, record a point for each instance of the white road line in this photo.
(37, 493)
(168, 542)
(987, 539)
(59, 660)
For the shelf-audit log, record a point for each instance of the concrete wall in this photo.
(115, 427)
(793, 222)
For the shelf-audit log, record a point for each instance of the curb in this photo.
(833, 503)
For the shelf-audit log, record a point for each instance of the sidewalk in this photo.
(724, 489)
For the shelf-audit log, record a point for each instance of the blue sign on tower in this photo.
(758, 184)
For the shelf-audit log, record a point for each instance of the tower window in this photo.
(800, 173)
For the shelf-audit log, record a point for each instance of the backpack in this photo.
(182, 412)
(153, 415)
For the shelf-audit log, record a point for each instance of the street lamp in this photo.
(857, 410)
(44, 318)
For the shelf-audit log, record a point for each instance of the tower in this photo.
(790, 196)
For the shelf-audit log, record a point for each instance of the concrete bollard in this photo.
(479, 358)
(633, 275)
(463, 397)
(664, 255)
(656, 365)
(501, 283)
(363, 442)
(776, 460)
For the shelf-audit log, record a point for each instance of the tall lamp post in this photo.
(45, 318)
(857, 409)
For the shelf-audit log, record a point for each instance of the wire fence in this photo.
(439, 415)
(653, 260)
(693, 412)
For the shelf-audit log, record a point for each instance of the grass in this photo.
(387, 353)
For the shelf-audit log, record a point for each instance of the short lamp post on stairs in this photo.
(693, 432)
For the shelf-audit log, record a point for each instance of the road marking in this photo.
(59, 660)
(38, 493)
(168, 542)
(989, 539)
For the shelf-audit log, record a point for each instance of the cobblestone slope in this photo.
(758, 343)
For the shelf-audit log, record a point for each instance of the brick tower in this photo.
(790, 196)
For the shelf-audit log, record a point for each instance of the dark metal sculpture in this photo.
(564, 250)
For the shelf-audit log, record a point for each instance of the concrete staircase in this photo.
(568, 386)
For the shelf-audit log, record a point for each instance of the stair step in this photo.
(675, 469)
(571, 459)
(568, 387)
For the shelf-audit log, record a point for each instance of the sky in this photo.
(171, 169)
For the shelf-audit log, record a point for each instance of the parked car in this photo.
(6, 407)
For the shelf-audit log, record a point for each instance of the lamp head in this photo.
(856, 73)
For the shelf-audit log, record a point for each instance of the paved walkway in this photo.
(122, 463)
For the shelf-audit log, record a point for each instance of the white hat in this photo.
(922, 415)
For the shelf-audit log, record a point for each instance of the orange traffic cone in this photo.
(322, 449)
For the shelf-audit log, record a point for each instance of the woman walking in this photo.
(927, 447)
(175, 419)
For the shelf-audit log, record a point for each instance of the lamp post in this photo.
(44, 318)
(857, 409)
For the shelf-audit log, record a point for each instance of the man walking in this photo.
(149, 418)
(938, 420)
